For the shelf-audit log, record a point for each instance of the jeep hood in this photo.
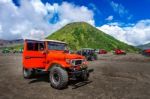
(62, 55)
(73, 56)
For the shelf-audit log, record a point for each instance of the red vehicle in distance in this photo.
(119, 52)
(102, 51)
(146, 52)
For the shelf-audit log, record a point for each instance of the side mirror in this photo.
(45, 52)
(66, 51)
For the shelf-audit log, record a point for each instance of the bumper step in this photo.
(80, 72)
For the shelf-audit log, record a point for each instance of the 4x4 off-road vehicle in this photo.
(88, 53)
(119, 52)
(51, 56)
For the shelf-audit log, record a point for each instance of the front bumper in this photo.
(77, 72)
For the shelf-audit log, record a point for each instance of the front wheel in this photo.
(58, 77)
(85, 75)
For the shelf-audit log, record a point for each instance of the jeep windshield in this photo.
(56, 46)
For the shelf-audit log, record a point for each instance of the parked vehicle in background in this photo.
(146, 52)
(102, 51)
(17, 50)
(89, 53)
(51, 56)
(21, 50)
(5, 50)
(119, 52)
(97, 51)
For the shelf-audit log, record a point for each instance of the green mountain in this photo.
(83, 35)
(145, 46)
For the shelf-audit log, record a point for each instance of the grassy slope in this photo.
(16, 47)
(81, 35)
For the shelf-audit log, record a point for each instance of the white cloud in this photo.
(109, 18)
(136, 34)
(1, 28)
(118, 8)
(5, 1)
(94, 8)
(34, 16)
(121, 10)
(39, 7)
(75, 13)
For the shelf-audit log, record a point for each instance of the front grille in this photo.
(76, 62)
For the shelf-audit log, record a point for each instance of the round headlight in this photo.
(68, 61)
(84, 61)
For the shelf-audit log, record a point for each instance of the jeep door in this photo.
(33, 54)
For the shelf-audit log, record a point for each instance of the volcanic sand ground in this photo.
(115, 77)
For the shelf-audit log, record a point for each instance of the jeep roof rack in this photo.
(46, 40)
(87, 49)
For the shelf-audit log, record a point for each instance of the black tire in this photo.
(27, 73)
(96, 57)
(92, 58)
(58, 77)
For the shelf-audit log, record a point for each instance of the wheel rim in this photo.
(56, 77)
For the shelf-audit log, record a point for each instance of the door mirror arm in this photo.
(45, 52)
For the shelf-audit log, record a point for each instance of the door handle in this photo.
(27, 57)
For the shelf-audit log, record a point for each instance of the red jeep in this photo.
(102, 51)
(51, 56)
(146, 52)
(119, 52)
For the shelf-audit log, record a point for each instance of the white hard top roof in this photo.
(88, 48)
(45, 40)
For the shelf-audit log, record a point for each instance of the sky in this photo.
(126, 20)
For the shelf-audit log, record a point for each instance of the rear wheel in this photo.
(125, 53)
(58, 77)
(92, 58)
(27, 73)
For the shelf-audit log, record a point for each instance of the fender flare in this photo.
(57, 63)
